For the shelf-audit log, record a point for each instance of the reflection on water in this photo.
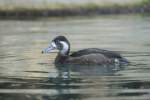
(27, 74)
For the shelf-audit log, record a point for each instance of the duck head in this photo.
(59, 43)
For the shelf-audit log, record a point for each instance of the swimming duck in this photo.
(89, 56)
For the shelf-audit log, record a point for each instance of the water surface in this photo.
(27, 74)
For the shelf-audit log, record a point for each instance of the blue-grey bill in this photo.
(50, 48)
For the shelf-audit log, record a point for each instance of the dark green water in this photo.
(26, 74)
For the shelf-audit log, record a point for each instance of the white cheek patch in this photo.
(65, 47)
(53, 45)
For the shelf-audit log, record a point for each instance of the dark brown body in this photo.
(91, 56)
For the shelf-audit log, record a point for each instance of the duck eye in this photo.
(59, 45)
(53, 44)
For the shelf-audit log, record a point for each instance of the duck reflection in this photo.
(70, 75)
(65, 71)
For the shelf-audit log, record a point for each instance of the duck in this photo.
(88, 56)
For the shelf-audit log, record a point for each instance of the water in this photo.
(25, 73)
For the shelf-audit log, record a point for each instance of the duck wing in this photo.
(109, 54)
(90, 59)
(106, 53)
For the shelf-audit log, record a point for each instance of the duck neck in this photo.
(63, 53)
(60, 59)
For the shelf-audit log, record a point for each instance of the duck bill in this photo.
(50, 48)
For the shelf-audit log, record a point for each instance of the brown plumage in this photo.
(91, 56)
